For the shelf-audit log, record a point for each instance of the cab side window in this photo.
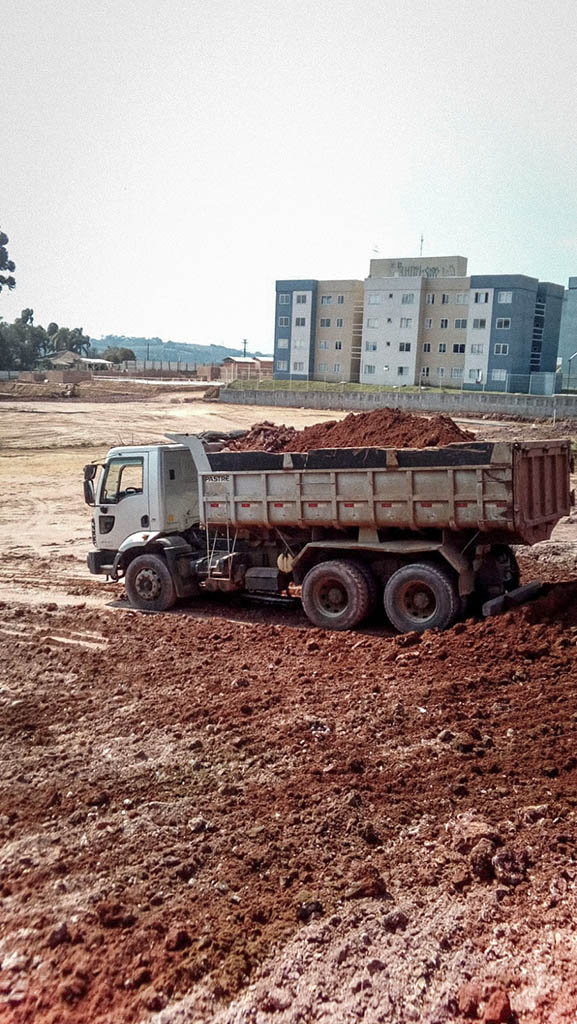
(123, 478)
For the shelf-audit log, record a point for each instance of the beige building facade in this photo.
(338, 330)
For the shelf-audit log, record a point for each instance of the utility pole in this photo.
(422, 240)
(244, 346)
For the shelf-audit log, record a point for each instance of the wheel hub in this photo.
(333, 598)
(148, 584)
(418, 601)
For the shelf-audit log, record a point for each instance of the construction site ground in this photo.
(220, 814)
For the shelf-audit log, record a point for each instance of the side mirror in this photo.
(90, 470)
(89, 492)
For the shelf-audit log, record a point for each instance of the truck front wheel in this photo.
(149, 584)
(421, 596)
(336, 595)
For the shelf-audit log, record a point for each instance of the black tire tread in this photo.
(167, 597)
(362, 596)
(443, 619)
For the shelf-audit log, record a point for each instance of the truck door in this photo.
(123, 504)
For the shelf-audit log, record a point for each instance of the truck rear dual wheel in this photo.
(338, 594)
(421, 596)
(149, 584)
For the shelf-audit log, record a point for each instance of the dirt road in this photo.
(222, 815)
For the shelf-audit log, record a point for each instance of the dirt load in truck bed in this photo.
(385, 428)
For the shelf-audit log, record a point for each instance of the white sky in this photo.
(164, 161)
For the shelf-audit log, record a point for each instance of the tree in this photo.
(6, 264)
(118, 355)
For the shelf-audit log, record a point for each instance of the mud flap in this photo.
(512, 598)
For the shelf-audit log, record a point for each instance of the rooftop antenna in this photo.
(376, 250)
(422, 240)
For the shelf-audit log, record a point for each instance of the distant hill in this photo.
(157, 349)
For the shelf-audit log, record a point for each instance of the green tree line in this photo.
(24, 344)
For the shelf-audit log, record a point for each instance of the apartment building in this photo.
(318, 326)
(415, 321)
(568, 336)
(513, 332)
(425, 321)
(338, 330)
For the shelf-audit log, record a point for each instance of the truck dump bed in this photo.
(515, 491)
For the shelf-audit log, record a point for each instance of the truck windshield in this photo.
(122, 477)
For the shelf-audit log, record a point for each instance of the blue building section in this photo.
(568, 336)
(285, 315)
(525, 323)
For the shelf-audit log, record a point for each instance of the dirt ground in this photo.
(219, 814)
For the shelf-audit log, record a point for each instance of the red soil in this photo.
(179, 805)
(386, 428)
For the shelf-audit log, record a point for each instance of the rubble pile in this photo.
(386, 428)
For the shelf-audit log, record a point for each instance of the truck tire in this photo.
(149, 584)
(336, 595)
(421, 596)
(373, 584)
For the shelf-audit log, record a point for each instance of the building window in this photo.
(283, 321)
(479, 325)
(444, 324)
(428, 323)
(440, 371)
(299, 343)
(460, 325)
(504, 296)
(339, 321)
(503, 323)
(501, 349)
(427, 346)
(476, 375)
(338, 345)
(481, 297)
(424, 371)
(323, 345)
(370, 369)
(323, 367)
(477, 349)
(408, 298)
(458, 348)
(402, 371)
(282, 343)
(456, 371)
(375, 298)
(372, 321)
(498, 375)
(336, 367)
(281, 364)
(442, 347)
(301, 300)
(404, 346)
(461, 298)
(370, 346)
(325, 321)
(326, 300)
(284, 299)
(300, 321)
(340, 299)
(406, 321)
(445, 299)
(298, 367)
(430, 299)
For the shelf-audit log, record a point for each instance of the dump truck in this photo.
(426, 534)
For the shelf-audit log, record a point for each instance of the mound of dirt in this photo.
(386, 428)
